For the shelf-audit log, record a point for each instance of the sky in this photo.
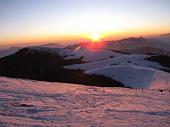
(27, 21)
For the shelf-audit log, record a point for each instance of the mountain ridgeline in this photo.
(43, 64)
(131, 62)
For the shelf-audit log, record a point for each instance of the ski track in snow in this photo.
(36, 104)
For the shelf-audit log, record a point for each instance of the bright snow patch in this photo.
(136, 77)
(133, 59)
(132, 70)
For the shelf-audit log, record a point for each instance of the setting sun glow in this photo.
(95, 37)
(95, 44)
(72, 21)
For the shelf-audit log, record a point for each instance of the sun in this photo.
(95, 37)
(96, 43)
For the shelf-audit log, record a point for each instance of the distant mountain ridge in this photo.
(139, 45)
(52, 45)
(167, 34)
(105, 65)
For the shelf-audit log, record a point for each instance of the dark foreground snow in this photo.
(36, 104)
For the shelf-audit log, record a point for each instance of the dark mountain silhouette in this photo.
(46, 65)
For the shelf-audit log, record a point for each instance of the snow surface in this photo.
(135, 76)
(132, 59)
(92, 55)
(132, 70)
(84, 53)
(38, 104)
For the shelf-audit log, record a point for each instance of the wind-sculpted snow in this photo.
(38, 104)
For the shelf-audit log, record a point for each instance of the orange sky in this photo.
(80, 37)
(75, 21)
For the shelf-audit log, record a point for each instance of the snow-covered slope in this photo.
(93, 55)
(132, 70)
(135, 76)
(132, 59)
(35, 104)
(86, 54)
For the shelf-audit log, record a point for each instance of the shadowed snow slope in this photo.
(35, 104)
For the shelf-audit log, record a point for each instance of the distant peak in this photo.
(52, 45)
(167, 34)
(141, 38)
